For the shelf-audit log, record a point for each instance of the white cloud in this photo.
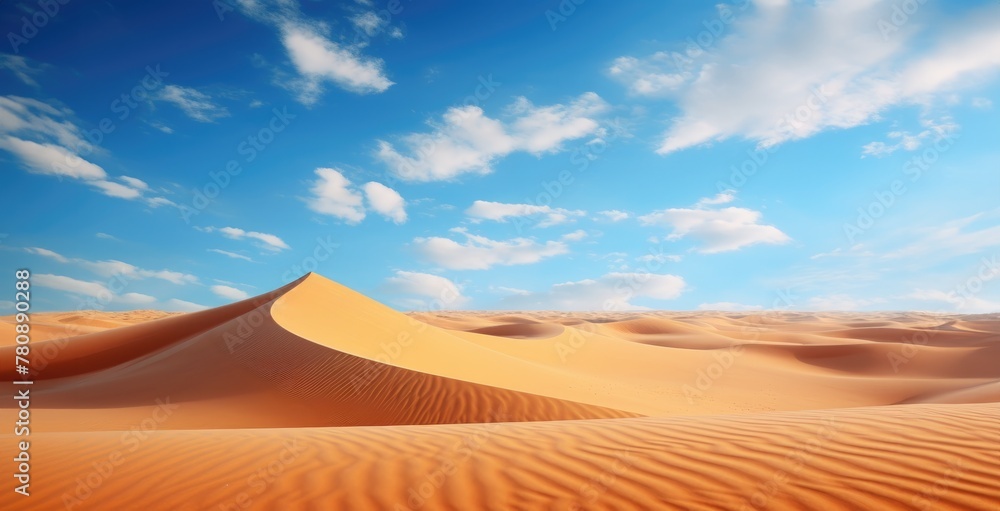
(719, 230)
(659, 258)
(611, 292)
(720, 198)
(106, 236)
(319, 59)
(46, 253)
(795, 69)
(958, 237)
(982, 103)
(467, 141)
(51, 159)
(71, 285)
(112, 189)
(135, 183)
(728, 306)
(135, 299)
(194, 103)
(174, 277)
(909, 141)
(501, 212)
(368, 22)
(174, 304)
(653, 76)
(45, 142)
(268, 241)
(111, 267)
(576, 235)
(427, 289)
(480, 253)
(839, 302)
(20, 68)
(614, 215)
(229, 293)
(108, 268)
(230, 254)
(386, 201)
(316, 57)
(967, 304)
(332, 194)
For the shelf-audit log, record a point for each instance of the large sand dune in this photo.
(316, 397)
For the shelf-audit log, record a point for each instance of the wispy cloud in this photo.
(194, 103)
(266, 241)
(501, 212)
(610, 292)
(481, 253)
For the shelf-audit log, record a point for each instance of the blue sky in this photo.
(837, 155)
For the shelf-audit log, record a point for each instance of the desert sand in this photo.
(314, 396)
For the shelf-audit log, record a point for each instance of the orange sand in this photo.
(316, 397)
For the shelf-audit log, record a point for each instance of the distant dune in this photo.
(313, 396)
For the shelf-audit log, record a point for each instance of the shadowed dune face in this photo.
(540, 410)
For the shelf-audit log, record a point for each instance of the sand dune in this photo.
(352, 405)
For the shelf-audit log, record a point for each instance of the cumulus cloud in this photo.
(501, 212)
(424, 290)
(718, 230)
(194, 103)
(467, 141)
(481, 253)
(611, 292)
(266, 241)
(385, 201)
(794, 69)
(333, 194)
